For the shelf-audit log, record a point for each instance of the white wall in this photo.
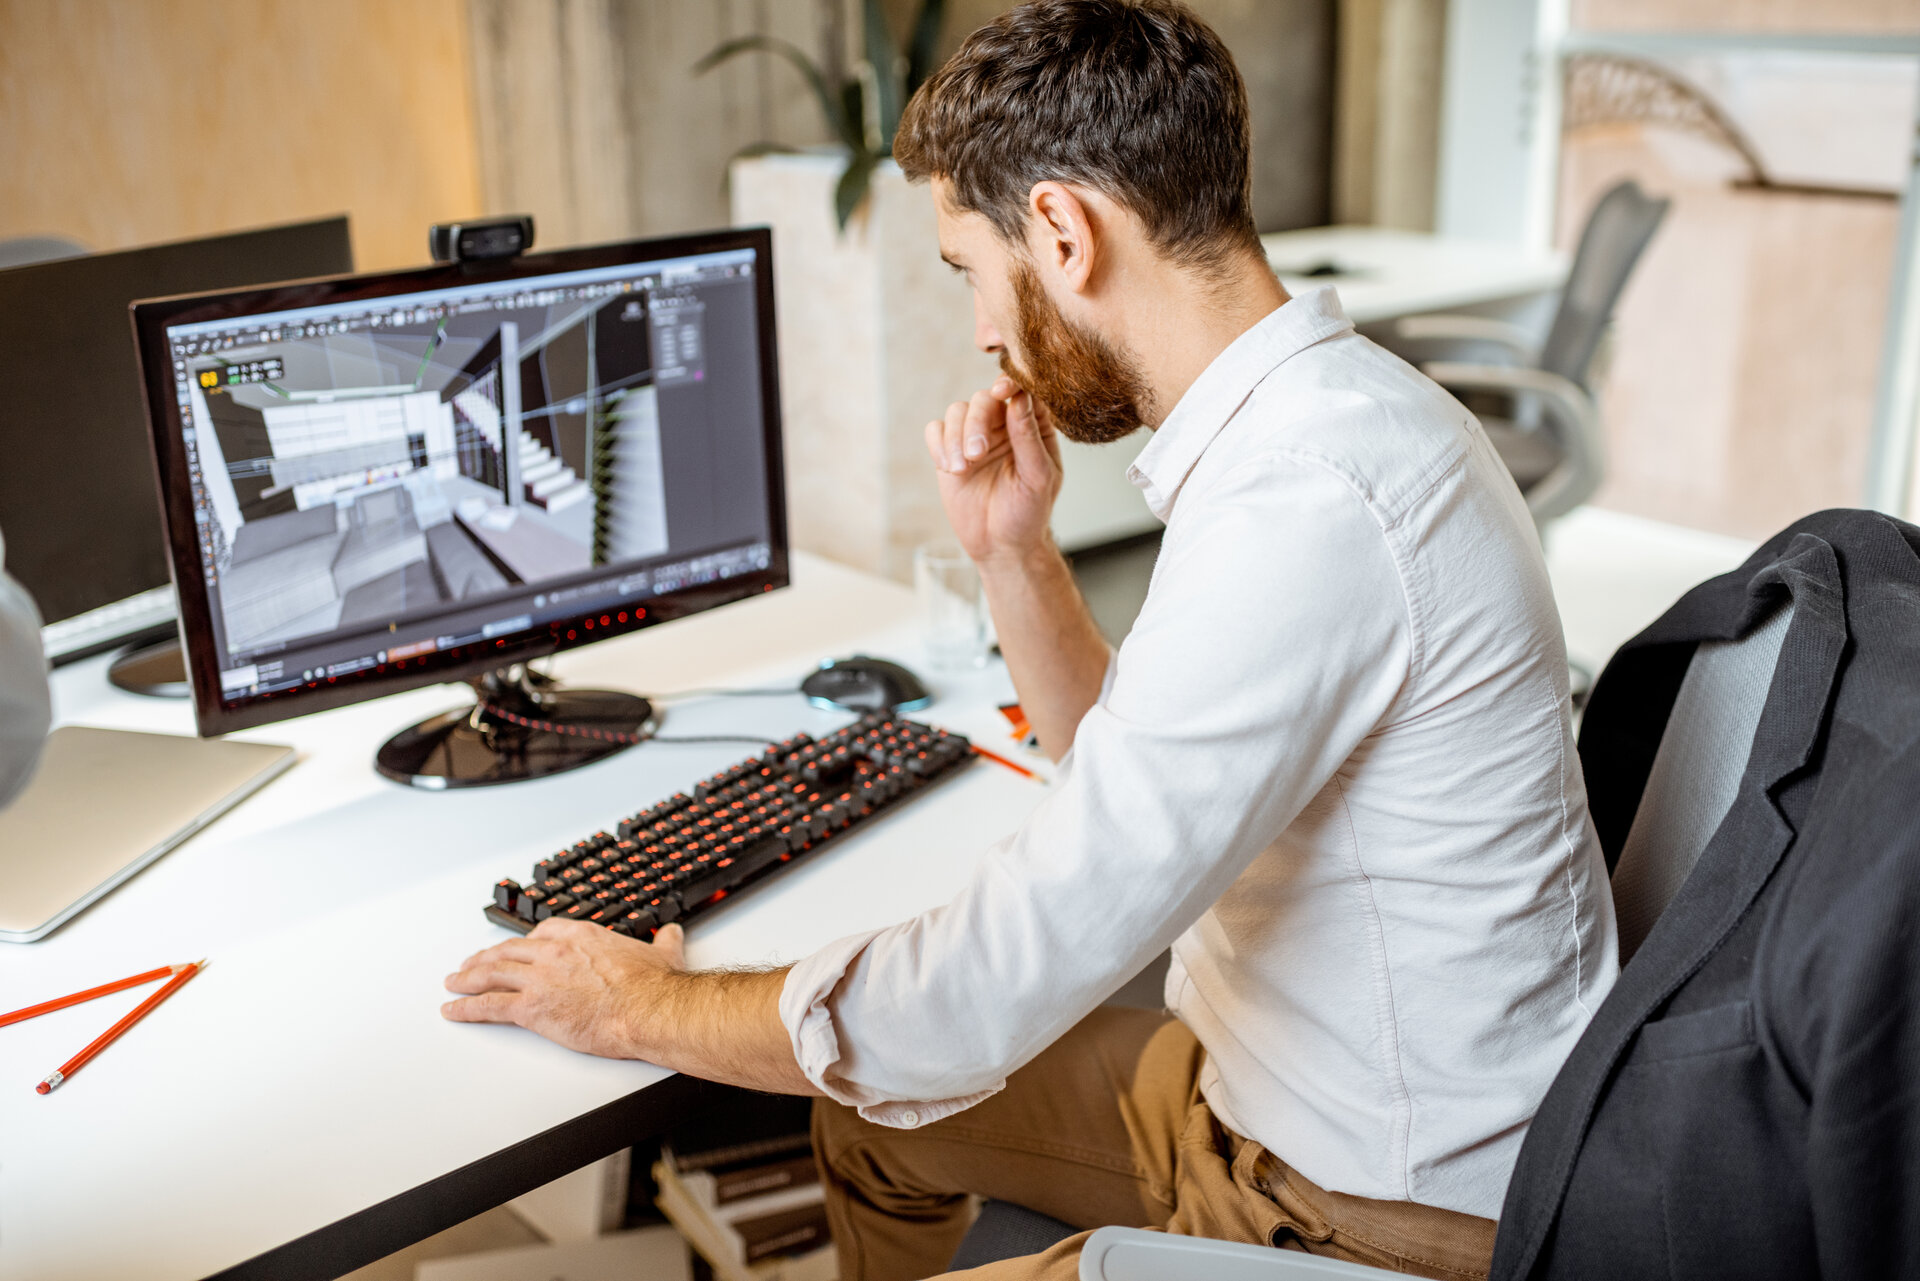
(1499, 121)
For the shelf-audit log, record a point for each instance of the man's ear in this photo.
(1062, 234)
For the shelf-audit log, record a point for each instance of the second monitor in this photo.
(381, 482)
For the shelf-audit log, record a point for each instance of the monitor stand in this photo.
(155, 668)
(521, 725)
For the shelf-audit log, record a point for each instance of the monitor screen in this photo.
(385, 481)
(76, 487)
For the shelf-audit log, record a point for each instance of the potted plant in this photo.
(861, 109)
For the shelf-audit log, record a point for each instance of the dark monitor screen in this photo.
(386, 481)
(77, 498)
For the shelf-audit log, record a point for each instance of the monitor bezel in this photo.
(212, 713)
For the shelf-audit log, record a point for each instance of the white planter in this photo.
(876, 339)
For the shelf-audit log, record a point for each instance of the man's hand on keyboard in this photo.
(600, 992)
(585, 987)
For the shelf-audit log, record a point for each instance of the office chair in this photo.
(1696, 769)
(22, 250)
(1549, 434)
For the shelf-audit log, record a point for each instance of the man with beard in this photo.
(1331, 766)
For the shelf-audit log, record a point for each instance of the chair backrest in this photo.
(1696, 772)
(1133, 1254)
(1616, 234)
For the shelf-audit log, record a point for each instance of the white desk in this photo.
(1384, 274)
(301, 1108)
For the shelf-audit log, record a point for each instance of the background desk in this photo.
(301, 1108)
(1382, 275)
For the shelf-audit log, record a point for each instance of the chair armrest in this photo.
(1132, 1254)
(1515, 341)
(1570, 416)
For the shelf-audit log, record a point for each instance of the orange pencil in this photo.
(105, 989)
(998, 759)
(112, 1034)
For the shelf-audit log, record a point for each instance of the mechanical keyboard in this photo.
(678, 859)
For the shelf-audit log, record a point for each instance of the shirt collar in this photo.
(1223, 386)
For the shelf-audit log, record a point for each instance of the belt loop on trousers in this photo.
(1270, 1173)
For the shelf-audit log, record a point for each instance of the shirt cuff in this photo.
(804, 1009)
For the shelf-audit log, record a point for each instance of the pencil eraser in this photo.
(43, 1088)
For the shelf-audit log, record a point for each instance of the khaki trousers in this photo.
(1105, 1127)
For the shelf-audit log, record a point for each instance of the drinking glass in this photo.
(953, 609)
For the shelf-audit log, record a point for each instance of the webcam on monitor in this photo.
(489, 238)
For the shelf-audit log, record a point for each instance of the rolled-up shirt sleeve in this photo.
(25, 708)
(1275, 638)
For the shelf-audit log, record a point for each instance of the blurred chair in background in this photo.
(1538, 407)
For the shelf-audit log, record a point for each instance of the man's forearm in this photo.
(597, 992)
(720, 1025)
(1053, 649)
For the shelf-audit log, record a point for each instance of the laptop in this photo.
(106, 803)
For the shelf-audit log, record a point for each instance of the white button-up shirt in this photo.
(1331, 766)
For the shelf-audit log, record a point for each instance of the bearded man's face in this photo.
(1096, 393)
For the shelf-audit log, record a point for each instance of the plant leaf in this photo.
(848, 130)
(884, 57)
(853, 101)
(852, 188)
(924, 44)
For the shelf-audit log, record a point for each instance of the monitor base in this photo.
(156, 669)
(489, 743)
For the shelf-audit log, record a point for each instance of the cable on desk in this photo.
(613, 735)
(688, 695)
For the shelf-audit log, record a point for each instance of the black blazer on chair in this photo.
(1746, 1102)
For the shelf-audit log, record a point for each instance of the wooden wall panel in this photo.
(138, 121)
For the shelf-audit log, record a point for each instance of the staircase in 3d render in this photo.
(549, 482)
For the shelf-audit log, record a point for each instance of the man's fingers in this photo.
(493, 1007)
(937, 444)
(512, 950)
(986, 418)
(973, 430)
(1031, 457)
(946, 449)
(553, 927)
(490, 976)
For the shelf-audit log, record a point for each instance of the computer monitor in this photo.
(379, 482)
(76, 481)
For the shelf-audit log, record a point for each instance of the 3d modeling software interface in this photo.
(376, 480)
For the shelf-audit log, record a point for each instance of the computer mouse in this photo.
(863, 684)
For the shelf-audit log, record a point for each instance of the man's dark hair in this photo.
(1137, 99)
